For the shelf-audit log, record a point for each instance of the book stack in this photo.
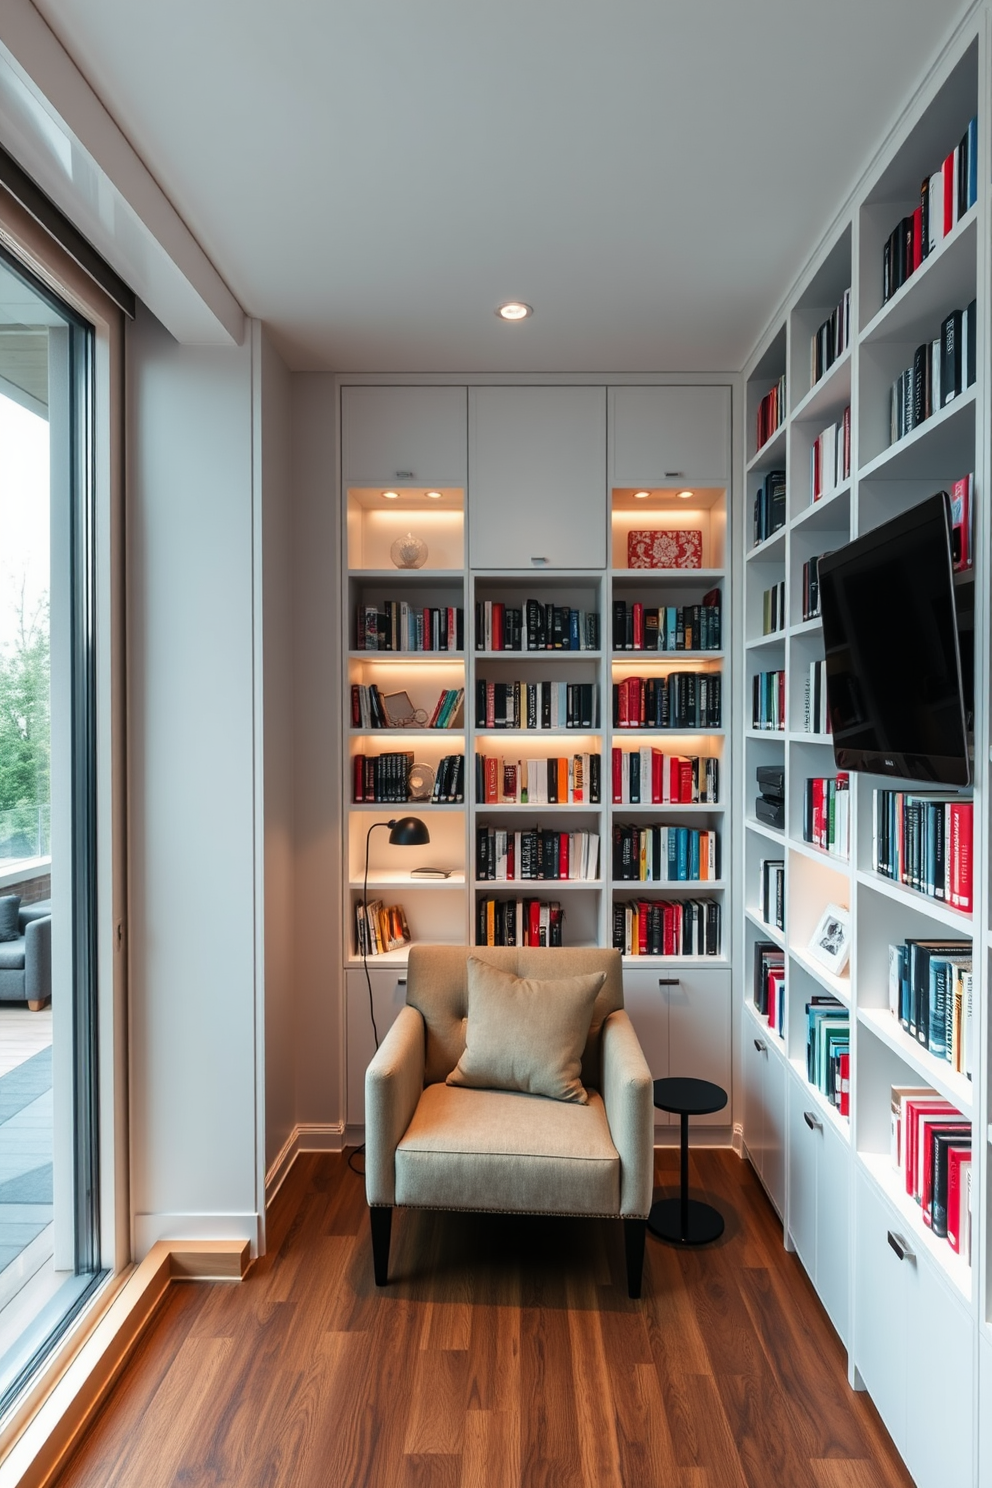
(569, 780)
(646, 777)
(549, 627)
(811, 586)
(518, 922)
(826, 813)
(769, 507)
(828, 1050)
(680, 700)
(505, 857)
(536, 705)
(381, 777)
(769, 984)
(769, 807)
(773, 609)
(941, 371)
(380, 928)
(659, 854)
(449, 782)
(930, 1149)
(771, 888)
(400, 626)
(637, 627)
(925, 842)
(963, 523)
(448, 709)
(771, 412)
(944, 198)
(663, 927)
(930, 992)
(831, 339)
(768, 701)
(830, 457)
(816, 718)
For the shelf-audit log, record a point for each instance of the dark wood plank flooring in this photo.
(505, 1352)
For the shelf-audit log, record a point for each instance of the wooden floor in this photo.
(505, 1352)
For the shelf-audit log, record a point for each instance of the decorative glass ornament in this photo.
(409, 551)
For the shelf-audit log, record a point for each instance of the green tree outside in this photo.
(25, 734)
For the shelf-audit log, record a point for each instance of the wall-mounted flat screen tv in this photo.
(895, 688)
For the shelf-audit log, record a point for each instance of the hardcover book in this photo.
(655, 548)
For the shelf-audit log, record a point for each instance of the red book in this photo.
(845, 1085)
(498, 612)
(917, 237)
(958, 1164)
(617, 776)
(452, 629)
(926, 1165)
(622, 714)
(950, 191)
(534, 923)
(492, 779)
(771, 984)
(509, 782)
(818, 833)
(642, 927)
(817, 475)
(657, 784)
(356, 709)
(914, 1110)
(490, 705)
(638, 626)
(358, 766)
(685, 780)
(511, 856)
(960, 854)
(781, 700)
(563, 855)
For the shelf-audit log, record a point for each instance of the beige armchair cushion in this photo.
(500, 1150)
(526, 1034)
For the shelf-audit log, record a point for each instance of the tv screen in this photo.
(893, 657)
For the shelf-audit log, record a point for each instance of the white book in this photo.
(487, 625)
(644, 766)
(592, 861)
(936, 212)
(500, 856)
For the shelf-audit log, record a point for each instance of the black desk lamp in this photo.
(404, 831)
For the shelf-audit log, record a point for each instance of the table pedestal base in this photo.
(688, 1223)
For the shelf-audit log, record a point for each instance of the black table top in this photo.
(694, 1097)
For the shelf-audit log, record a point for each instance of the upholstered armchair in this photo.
(437, 1145)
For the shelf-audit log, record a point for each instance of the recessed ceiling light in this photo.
(433, 495)
(391, 495)
(514, 310)
(641, 495)
(685, 495)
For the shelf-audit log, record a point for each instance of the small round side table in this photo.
(685, 1221)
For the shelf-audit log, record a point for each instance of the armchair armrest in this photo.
(628, 1095)
(394, 1083)
(38, 960)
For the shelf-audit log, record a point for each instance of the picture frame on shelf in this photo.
(830, 943)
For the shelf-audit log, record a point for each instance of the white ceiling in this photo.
(372, 178)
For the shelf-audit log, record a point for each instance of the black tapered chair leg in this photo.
(634, 1231)
(381, 1220)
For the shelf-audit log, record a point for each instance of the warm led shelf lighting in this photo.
(433, 495)
(685, 495)
(641, 495)
(391, 495)
(514, 310)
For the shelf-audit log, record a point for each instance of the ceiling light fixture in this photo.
(514, 310)
(685, 495)
(391, 495)
(433, 495)
(641, 495)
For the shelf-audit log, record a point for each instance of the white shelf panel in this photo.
(534, 807)
(958, 1271)
(936, 1072)
(548, 654)
(683, 578)
(944, 278)
(410, 575)
(655, 807)
(663, 733)
(818, 855)
(405, 808)
(840, 986)
(762, 1030)
(824, 1108)
(432, 658)
(807, 627)
(660, 963)
(675, 658)
(799, 736)
(753, 733)
(934, 909)
(822, 513)
(771, 550)
(377, 734)
(380, 878)
(526, 886)
(772, 452)
(775, 638)
(932, 448)
(771, 932)
(832, 390)
(486, 732)
(664, 886)
(774, 834)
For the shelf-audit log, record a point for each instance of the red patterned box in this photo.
(658, 548)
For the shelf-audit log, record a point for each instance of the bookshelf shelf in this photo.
(932, 449)
(668, 578)
(536, 808)
(769, 932)
(772, 833)
(686, 963)
(829, 395)
(658, 808)
(542, 656)
(374, 735)
(921, 904)
(956, 1270)
(839, 986)
(380, 879)
(528, 887)
(670, 658)
(947, 1082)
(759, 643)
(448, 659)
(663, 886)
(771, 453)
(772, 550)
(944, 281)
(820, 855)
(798, 736)
(807, 627)
(829, 1112)
(406, 808)
(823, 515)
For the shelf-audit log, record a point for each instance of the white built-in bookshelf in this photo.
(912, 1312)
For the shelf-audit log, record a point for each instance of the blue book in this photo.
(972, 138)
(683, 853)
(671, 622)
(673, 855)
(573, 630)
(693, 855)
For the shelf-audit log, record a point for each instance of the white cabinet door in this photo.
(940, 1419)
(647, 1006)
(754, 1063)
(773, 1170)
(665, 434)
(985, 1413)
(699, 1033)
(388, 996)
(411, 435)
(804, 1147)
(537, 477)
(833, 1229)
(881, 1326)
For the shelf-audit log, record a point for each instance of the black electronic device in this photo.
(770, 810)
(897, 694)
(771, 780)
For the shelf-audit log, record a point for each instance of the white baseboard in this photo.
(149, 1229)
(306, 1136)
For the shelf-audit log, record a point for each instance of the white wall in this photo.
(193, 1081)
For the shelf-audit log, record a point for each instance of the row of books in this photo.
(400, 626)
(568, 780)
(518, 922)
(828, 1050)
(660, 854)
(647, 777)
(537, 626)
(536, 705)
(664, 927)
(768, 513)
(771, 891)
(811, 586)
(830, 340)
(695, 627)
(941, 370)
(505, 856)
(771, 413)
(944, 198)
(680, 700)
(925, 842)
(773, 609)
(930, 1149)
(385, 777)
(768, 700)
(830, 457)
(930, 992)
(380, 928)
(816, 716)
(370, 709)
(827, 813)
(769, 984)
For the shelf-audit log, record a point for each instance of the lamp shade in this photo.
(408, 831)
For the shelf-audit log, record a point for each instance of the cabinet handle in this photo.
(669, 981)
(760, 1046)
(401, 981)
(539, 562)
(901, 1246)
(813, 1122)
(676, 474)
(404, 475)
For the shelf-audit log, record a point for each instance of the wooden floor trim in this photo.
(68, 1392)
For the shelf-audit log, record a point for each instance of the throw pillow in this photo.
(525, 1034)
(10, 926)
